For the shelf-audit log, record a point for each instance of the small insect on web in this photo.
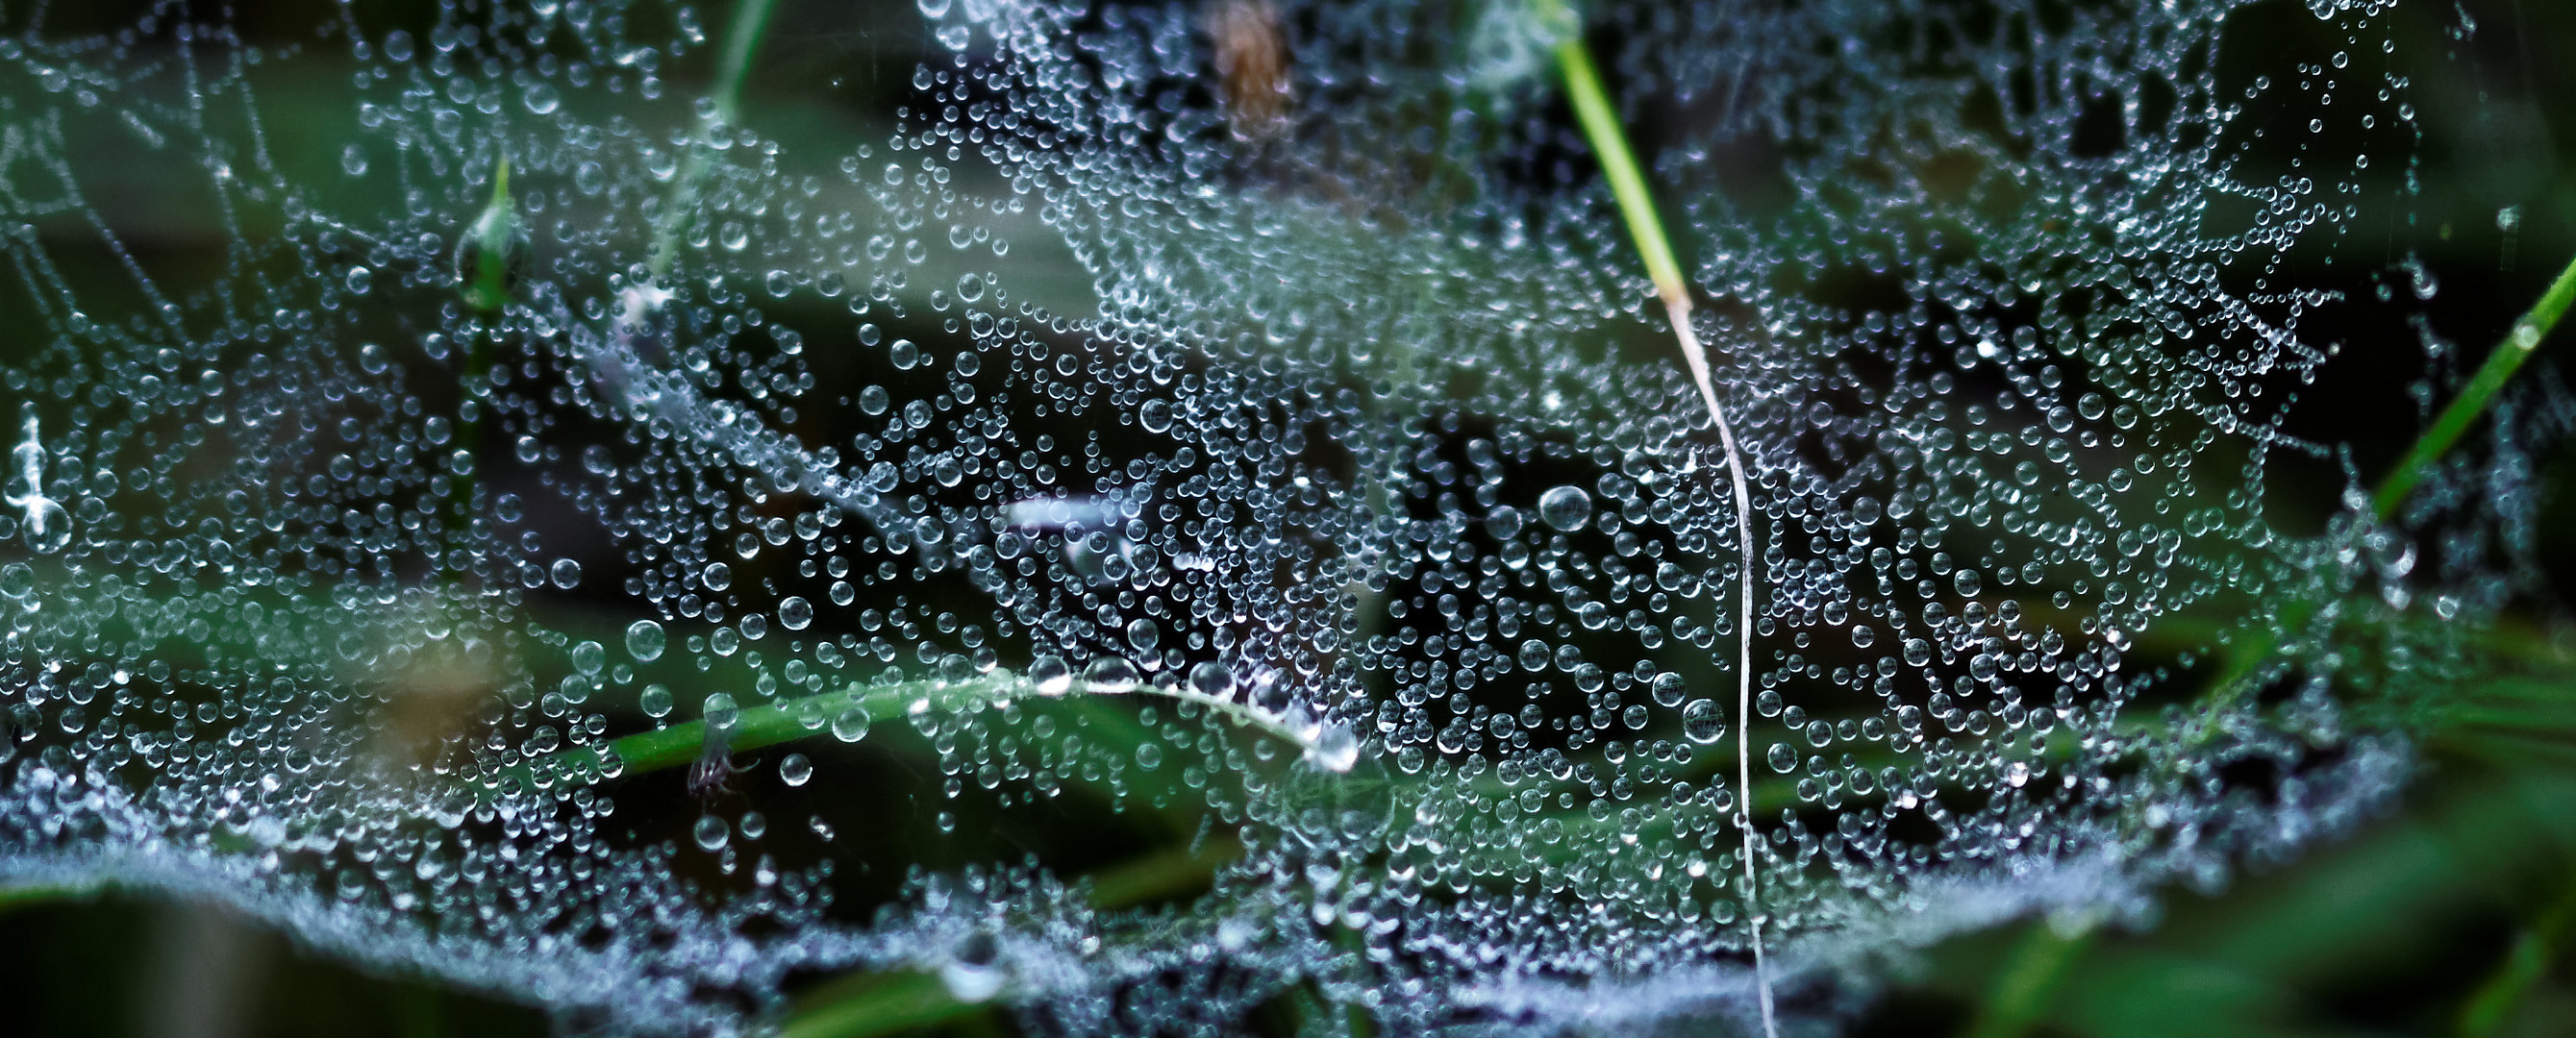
(711, 774)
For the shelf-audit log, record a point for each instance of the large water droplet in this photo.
(710, 832)
(645, 641)
(1110, 674)
(588, 658)
(1565, 507)
(1051, 676)
(1703, 721)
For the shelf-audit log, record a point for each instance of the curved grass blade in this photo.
(1637, 206)
(2507, 358)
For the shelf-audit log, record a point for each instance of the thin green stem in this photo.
(2491, 1007)
(485, 287)
(487, 282)
(881, 1003)
(742, 41)
(2260, 647)
(2507, 358)
(1619, 165)
(2029, 981)
(886, 1004)
(752, 728)
(793, 719)
(1636, 200)
(13, 898)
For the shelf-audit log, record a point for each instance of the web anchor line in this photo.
(1677, 307)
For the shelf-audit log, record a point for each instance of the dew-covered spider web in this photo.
(1170, 517)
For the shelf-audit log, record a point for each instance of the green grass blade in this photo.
(743, 37)
(1609, 142)
(1619, 166)
(754, 727)
(2027, 984)
(2507, 358)
(887, 1003)
(2492, 1005)
(742, 42)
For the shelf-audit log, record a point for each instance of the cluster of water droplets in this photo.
(571, 542)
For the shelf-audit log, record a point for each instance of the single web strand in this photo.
(1637, 207)
(1677, 308)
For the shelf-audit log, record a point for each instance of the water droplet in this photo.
(795, 769)
(710, 832)
(1567, 508)
(720, 711)
(1051, 676)
(645, 641)
(971, 973)
(1703, 721)
(1110, 674)
(1668, 689)
(1212, 680)
(539, 98)
(851, 725)
(1336, 748)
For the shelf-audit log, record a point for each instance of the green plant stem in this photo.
(1609, 142)
(487, 286)
(2492, 1005)
(1619, 165)
(789, 720)
(742, 41)
(888, 1003)
(2507, 358)
(2029, 981)
(486, 289)
(753, 728)
(2259, 647)
(880, 1003)
(14, 898)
